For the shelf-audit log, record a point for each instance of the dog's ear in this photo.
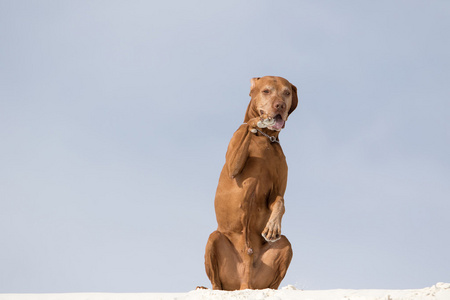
(253, 84)
(294, 99)
(251, 111)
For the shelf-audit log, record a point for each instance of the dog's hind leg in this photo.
(273, 263)
(211, 263)
(221, 262)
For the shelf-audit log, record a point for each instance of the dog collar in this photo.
(271, 138)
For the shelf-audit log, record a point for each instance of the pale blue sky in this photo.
(115, 117)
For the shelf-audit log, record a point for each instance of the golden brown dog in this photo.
(247, 251)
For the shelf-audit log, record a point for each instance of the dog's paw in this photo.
(272, 232)
(265, 121)
(261, 124)
(252, 124)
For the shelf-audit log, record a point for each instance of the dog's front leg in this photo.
(237, 152)
(272, 231)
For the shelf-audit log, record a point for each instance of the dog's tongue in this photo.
(279, 123)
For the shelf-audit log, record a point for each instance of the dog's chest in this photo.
(271, 153)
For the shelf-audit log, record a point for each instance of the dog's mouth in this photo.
(279, 123)
(273, 123)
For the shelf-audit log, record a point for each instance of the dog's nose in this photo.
(279, 105)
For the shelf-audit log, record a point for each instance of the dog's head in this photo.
(274, 97)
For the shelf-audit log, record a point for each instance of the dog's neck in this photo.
(272, 133)
(251, 112)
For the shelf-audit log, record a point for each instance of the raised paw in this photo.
(272, 232)
(265, 121)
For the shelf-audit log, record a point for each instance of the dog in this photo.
(247, 251)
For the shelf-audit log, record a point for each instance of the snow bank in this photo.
(439, 291)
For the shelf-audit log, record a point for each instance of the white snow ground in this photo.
(439, 291)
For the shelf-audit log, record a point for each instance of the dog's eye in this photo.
(287, 93)
(266, 91)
